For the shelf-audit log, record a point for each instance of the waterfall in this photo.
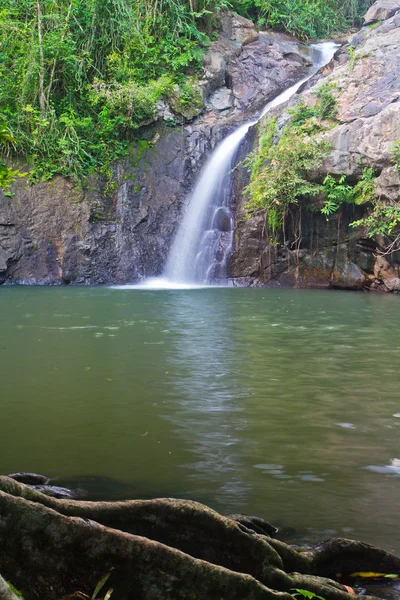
(204, 238)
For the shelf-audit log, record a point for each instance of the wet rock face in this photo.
(54, 232)
(331, 253)
(264, 69)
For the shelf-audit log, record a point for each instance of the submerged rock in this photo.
(30, 478)
(43, 484)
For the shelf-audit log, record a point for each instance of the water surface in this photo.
(280, 403)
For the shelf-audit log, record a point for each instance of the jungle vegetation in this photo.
(79, 78)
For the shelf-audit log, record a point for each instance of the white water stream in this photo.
(204, 238)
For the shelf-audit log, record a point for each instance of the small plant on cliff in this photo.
(7, 175)
(307, 119)
(352, 57)
(396, 156)
(384, 221)
(327, 103)
(338, 191)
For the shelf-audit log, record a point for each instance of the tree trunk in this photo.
(42, 97)
(161, 550)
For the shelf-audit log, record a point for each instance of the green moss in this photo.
(185, 99)
(14, 590)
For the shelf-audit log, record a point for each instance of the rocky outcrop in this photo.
(120, 230)
(245, 69)
(381, 10)
(365, 78)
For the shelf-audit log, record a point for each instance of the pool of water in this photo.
(279, 403)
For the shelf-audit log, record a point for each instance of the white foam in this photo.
(160, 283)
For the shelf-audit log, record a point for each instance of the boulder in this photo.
(381, 10)
(237, 28)
(30, 478)
(221, 99)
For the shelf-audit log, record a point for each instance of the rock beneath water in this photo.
(255, 524)
(30, 478)
(381, 10)
(346, 274)
(42, 484)
(222, 220)
(56, 491)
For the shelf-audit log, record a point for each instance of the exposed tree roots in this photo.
(162, 550)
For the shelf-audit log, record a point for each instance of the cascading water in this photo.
(208, 220)
(204, 239)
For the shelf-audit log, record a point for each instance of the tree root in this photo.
(162, 549)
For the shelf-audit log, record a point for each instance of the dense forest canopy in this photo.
(79, 78)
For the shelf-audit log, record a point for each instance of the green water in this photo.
(268, 402)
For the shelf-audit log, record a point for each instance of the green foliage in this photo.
(396, 156)
(306, 18)
(307, 119)
(352, 57)
(384, 220)
(278, 172)
(326, 105)
(7, 175)
(305, 594)
(80, 78)
(337, 191)
(14, 590)
(280, 166)
(364, 190)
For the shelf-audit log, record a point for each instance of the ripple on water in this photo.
(278, 472)
(392, 469)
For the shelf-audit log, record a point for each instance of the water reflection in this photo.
(278, 403)
(207, 398)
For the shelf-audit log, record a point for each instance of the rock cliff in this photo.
(120, 230)
(365, 75)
